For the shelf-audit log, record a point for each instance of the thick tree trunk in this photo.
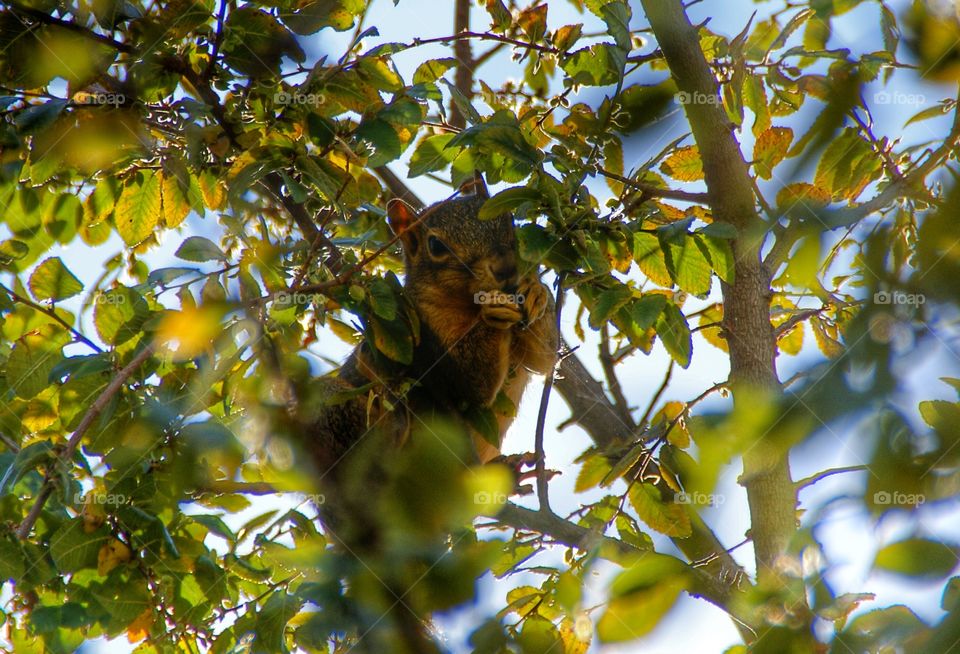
(766, 471)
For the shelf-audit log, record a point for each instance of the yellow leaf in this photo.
(174, 204)
(39, 415)
(189, 332)
(713, 316)
(140, 627)
(684, 165)
(770, 149)
(671, 411)
(138, 208)
(826, 336)
(791, 342)
(669, 518)
(802, 193)
(212, 190)
(576, 634)
(111, 555)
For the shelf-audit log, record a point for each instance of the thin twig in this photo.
(541, 466)
(66, 456)
(609, 371)
(651, 191)
(811, 480)
(52, 314)
(9, 442)
(43, 17)
(656, 396)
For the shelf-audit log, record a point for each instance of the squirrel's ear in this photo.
(401, 217)
(475, 186)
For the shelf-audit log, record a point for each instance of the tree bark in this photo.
(751, 338)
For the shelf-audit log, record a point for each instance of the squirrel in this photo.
(485, 327)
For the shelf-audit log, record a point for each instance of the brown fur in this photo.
(468, 351)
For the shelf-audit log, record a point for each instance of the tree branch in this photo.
(823, 474)
(66, 456)
(463, 78)
(651, 191)
(573, 535)
(766, 472)
(52, 314)
(43, 17)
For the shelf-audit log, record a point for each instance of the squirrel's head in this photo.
(448, 248)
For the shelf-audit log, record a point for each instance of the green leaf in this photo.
(670, 518)
(272, 619)
(33, 358)
(674, 333)
(607, 303)
(384, 139)
(313, 16)
(648, 253)
(500, 16)
(138, 209)
(119, 315)
(720, 254)
(73, 549)
(198, 248)
(37, 118)
(918, 557)
(431, 154)
(51, 280)
(70, 615)
(216, 525)
(595, 469)
(616, 15)
(686, 262)
(847, 165)
(383, 300)
(432, 70)
(12, 250)
(255, 42)
(507, 200)
(393, 339)
(634, 615)
(484, 421)
(597, 65)
(12, 560)
(538, 636)
(645, 310)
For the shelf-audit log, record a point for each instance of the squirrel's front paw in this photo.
(500, 314)
(535, 298)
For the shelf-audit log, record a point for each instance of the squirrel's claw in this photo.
(535, 300)
(500, 316)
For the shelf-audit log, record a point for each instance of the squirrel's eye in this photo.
(437, 247)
